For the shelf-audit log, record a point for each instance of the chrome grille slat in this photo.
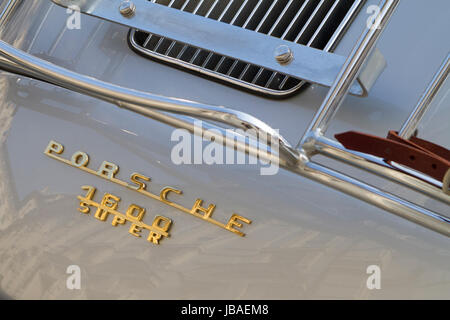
(280, 17)
(241, 76)
(270, 79)
(158, 44)
(283, 82)
(322, 6)
(232, 67)
(182, 51)
(194, 56)
(241, 9)
(266, 16)
(252, 14)
(185, 5)
(147, 40)
(323, 23)
(219, 64)
(214, 4)
(302, 12)
(170, 47)
(198, 6)
(256, 77)
(208, 58)
(225, 10)
(315, 23)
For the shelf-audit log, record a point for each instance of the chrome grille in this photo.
(314, 23)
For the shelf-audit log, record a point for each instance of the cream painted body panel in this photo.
(306, 240)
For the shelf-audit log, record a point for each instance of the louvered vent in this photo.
(315, 23)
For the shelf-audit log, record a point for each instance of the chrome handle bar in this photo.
(20, 61)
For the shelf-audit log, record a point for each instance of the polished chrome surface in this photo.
(349, 73)
(314, 141)
(127, 8)
(131, 99)
(283, 55)
(318, 24)
(413, 180)
(311, 65)
(410, 126)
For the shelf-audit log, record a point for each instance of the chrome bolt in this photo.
(283, 54)
(127, 8)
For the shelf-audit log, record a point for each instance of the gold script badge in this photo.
(134, 214)
(108, 171)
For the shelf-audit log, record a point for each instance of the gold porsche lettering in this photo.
(108, 169)
(165, 191)
(233, 223)
(79, 159)
(204, 213)
(134, 214)
(138, 182)
(140, 185)
(54, 147)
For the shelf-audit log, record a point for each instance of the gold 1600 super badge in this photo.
(134, 214)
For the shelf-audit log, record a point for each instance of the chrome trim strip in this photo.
(296, 161)
(311, 65)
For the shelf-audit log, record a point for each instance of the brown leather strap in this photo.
(422, 144)
(413, 154)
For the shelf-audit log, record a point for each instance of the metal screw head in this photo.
(283, 54)
(127, 8)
